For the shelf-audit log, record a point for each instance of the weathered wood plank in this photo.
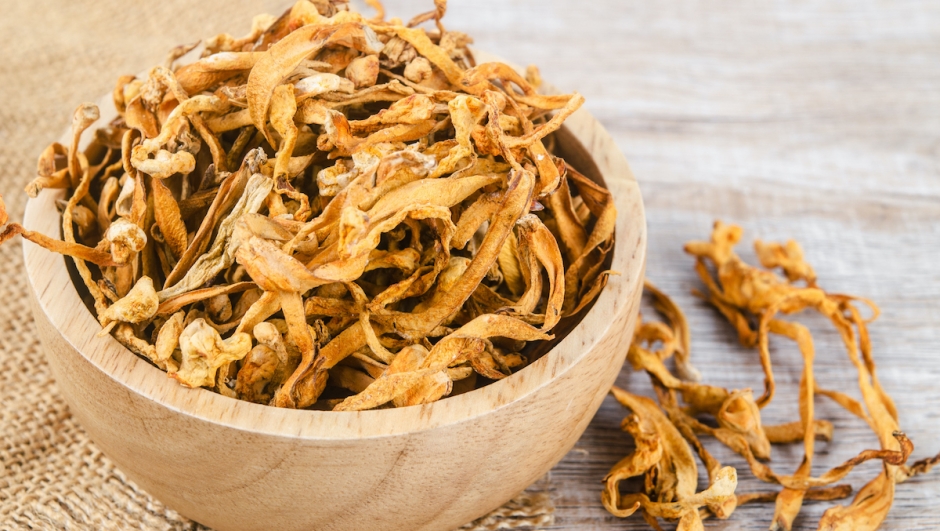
(815, 120)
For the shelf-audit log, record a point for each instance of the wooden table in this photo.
(817, 120)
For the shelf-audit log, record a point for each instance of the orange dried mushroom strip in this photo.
(666, 460)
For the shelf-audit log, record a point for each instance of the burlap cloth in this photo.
(57, 54)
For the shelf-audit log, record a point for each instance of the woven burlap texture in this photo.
(58, 54)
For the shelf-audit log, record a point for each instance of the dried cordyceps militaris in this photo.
(665, 460)
(332, 211)
(746, 295)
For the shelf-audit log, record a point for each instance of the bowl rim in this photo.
(58, 298)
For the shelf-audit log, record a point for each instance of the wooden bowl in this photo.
(234, 465)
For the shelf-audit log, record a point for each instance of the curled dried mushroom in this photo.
(665, 433)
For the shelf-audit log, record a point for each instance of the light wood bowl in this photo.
(234, 465)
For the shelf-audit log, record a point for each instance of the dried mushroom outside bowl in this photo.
(341, 273)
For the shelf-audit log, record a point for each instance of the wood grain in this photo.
(816, 120)
(235, 465)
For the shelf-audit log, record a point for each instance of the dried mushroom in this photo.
(332, 210)
(665, 432)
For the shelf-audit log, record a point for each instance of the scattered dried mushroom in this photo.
(331, 212)
(666, 433)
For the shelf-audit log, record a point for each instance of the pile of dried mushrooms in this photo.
(666, 431)
(332, 212)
